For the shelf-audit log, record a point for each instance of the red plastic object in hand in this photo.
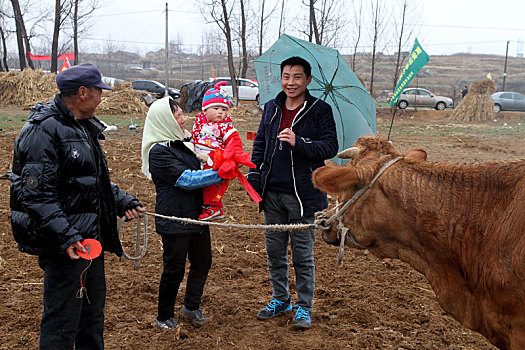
(92, 247)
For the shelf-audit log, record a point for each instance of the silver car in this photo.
(248, 89)
(508, 101)
(423, 98)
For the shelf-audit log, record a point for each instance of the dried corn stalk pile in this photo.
(27, 87)
(122, 100)
(478, 104)
(246, 110)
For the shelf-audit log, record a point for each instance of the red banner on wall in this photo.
(70, 56)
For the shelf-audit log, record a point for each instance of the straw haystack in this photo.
(122, 100)
(477, 104)
(245, 110)
(27, 87)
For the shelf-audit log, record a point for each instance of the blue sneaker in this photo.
(273, 308)
(302, 318)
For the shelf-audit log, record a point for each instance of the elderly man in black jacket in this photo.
(296, 134)
(61, 194)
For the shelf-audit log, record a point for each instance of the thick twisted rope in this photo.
(291, 227)
(321, 221)
(144, 247)
(273, 227)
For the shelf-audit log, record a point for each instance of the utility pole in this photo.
(166, 68)
(505, 69)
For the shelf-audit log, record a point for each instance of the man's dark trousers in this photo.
(67, 319)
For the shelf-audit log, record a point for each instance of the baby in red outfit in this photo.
(213, 130)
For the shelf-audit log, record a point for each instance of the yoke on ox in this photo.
(460, 225)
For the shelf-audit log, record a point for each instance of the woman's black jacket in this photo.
(166, 164)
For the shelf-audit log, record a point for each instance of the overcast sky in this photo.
(445, 26)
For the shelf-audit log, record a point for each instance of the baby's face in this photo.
(216, 114)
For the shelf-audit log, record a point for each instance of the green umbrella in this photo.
(332, 81)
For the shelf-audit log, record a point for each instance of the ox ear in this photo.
(335, 179)
(349, 153)
(416, 154)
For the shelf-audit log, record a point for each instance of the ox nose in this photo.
(330, 236)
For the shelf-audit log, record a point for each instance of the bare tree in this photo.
(281, 29)
(325, 21)
(75, 32)
(313, 30)
(63, 10)
(24, 13)
(82, 9)
(244, 65)
(3, 65)
(377, 29)
(221, 14)
(404, 33)
(3, 38)
(27, 45)
(358, 25)
(263, 19)
(212, 43)
(56, 32)
(21, 36)
(261, 27)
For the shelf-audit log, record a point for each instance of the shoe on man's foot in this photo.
(210, 213)
(302, 318)
(273, 308)
(173, 325)
(167, 324)
(196, 317)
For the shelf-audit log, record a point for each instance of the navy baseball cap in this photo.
(84, 74)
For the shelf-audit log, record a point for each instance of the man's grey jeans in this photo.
(284, 208)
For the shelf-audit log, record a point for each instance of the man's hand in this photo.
(288, 136)
(72, 250)
(134, 213)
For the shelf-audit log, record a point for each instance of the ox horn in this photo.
(349, 153)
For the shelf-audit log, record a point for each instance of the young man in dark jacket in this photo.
(61, 194)
(296, 135)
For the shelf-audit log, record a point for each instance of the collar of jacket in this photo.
(281, 99)
(98, 127)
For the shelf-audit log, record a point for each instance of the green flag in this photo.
(417, 59)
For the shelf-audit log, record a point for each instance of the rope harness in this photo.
(322, 222)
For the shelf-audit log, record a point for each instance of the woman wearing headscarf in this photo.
(169, 159)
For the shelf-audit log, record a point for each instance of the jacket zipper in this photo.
(99, 208)
(291, 157)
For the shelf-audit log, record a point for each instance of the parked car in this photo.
(248, 89)
(423, 98)
(154, 87)
(508, 101)
(112, 81)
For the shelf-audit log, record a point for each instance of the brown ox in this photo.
(462, 226)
